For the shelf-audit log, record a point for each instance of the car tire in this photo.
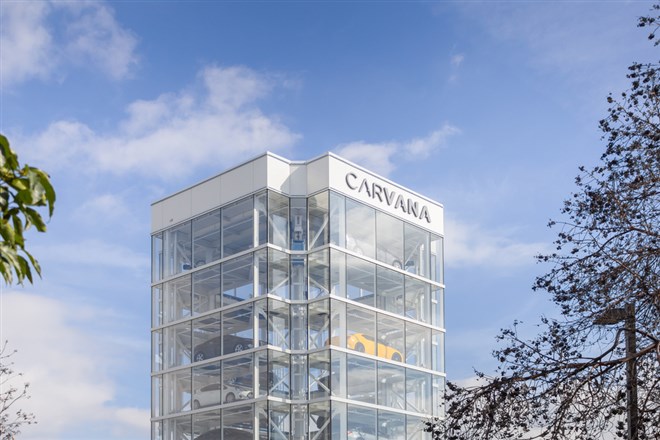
(196, 404)
(238, 347)
(396, 357)
(359, 347)
(397, 264)
(230, 398)
(200, 356)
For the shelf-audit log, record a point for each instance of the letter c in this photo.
(354, 176)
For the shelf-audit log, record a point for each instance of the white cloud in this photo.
(457, 60)
(103, 207)
(66, 368)
(470, 245)
(380, 157)
(376, 157)
(421, 148)
(176, 132)
(25, 43)
(93, 252)
(29, 48)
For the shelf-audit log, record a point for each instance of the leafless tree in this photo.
(11, 417)
(594, 373)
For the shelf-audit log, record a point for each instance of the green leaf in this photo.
(7, 232)
(35, 219)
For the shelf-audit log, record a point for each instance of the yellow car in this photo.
(366, 344)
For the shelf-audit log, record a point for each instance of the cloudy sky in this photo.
(487, 107)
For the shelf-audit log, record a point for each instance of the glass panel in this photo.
(279, 384)
(207, 384)
(298, 327)
(299, 416)
(438, 349)
(418, 347)
(157, 350)
(319, 324)
(319, 274)
(177, 345)
(237, 280)
(237, 329)
(437, 259)
(299, 377)
(389, 233)
(337, 379)
(156, 396)
(389, 290)
(278, 219)
(438, 393)
(338, 323)
(361, 422)
(415, 427)
(156, 257)
(261, 410)
(177, 299)
(298, 228)
(178, 428)
(416, 250)
(298, 277)
(178, 391)
(391, 425)
(438, 307)
(337, 220)
(261, 261)
(261, 312)
(238, 423)
(262, 217)
(339, 417)
(418, 301)
(391, 385)
(390, 338)
(177, 256)
(318, 220)
(206, 290)
(157, 305)
(361, 379)
(337, 273)
(278, 324)
(361, 328)
(278, 273)
(206, 337)
(360, 228)
(237, 227)
(237, 379)
(360, 280)
(280, 423)
(319, 421)
(207, 424)
(418, 392)
(319, 374)
(157, 431)
(206, 238)
(265, 378)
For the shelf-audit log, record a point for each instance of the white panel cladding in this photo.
(236, 183)
(206, 196)
(260, 173)
(385, 195)
(278, 174)
(177, 208)
(157, 217)
(317, 174)
(298, 180)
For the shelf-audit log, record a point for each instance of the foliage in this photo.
(571, 380)
(11, 419)
(22, 189)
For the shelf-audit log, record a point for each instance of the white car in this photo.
(211, 395)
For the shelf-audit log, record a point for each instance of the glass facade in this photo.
(279, 317)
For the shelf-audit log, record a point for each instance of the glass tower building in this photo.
(296, 300)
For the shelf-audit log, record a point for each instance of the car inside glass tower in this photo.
(296, 317)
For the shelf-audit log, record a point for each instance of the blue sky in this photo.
(487, 107)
